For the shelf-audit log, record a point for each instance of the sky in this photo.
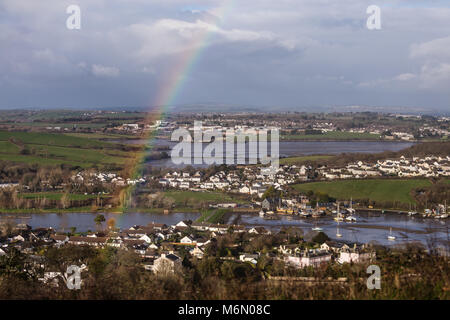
(296, 54)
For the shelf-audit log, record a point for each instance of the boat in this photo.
(412, 213)
(316, 214)
(350, 219)
(351, 210)
(445, 214)
(338, 234)
(316, 228)
(390, 236)
(262, 213)
(304, 214)
(338, 218)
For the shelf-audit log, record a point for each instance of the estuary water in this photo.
(289, 149)
(368, 227)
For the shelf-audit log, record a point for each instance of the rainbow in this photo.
(167, 94)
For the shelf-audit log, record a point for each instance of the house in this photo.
(183, 224)
(202, 226)
(146, 238)
(91, 241)
(18, 238)
(187, 240)
(197, 252)
(247, 257)
(245, 190)
(332, 246)
(167, 263)
(355, 256)
(59, 238)
(269, 204)
(258, 230)
(157, 226)
(307, 259)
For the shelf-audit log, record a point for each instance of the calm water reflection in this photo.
(85, 221)
(369, 227)
(295, 148)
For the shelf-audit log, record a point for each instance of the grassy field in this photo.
(58, 196)
(101, 136)
(376, 190)
(53, 139)
(55, 149)
(212, 216)
(302, 159)
(181, 196)
(333, 135)
(52, 210)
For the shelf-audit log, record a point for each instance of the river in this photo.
(368, 227)
(292, 148)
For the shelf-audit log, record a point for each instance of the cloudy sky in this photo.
(283, 53)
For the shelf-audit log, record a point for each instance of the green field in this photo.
(100, 136)
(181, 196)
(212, 216)
(56, 149)
(376, 189)
(58, 196)
(333, 135)
(302, 159)
(53, 139)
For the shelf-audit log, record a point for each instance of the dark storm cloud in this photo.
(292, 53)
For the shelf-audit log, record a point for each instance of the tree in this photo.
(320, 238)
(271, 192)
(99, 219)
(111, 223)
(65, 201)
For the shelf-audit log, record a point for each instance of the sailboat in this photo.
(338, 217)
(411, 213)
(351, 210)
(445, 214)
(316, 228)
(390, 236)
(338, 234)
(304, 213)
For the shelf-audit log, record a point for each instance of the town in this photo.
(162, 248)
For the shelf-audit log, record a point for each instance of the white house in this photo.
(197, 252)
(187, 240)
(167, 263)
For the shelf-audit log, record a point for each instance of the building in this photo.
(167, 263)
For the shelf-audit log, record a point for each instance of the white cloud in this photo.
(435, 76)
(405, 77)
(104, 71)
(435, 49)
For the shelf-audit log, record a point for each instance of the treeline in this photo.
(11, 199)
